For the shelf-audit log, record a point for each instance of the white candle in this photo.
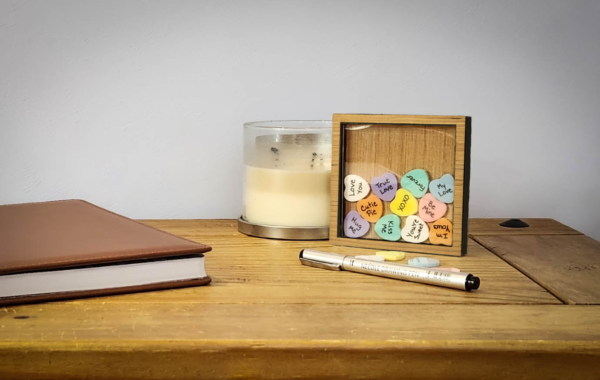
(293, 198)
(288, 170)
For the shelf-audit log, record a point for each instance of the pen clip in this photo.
(319, 264)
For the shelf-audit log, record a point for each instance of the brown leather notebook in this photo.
(72, 249)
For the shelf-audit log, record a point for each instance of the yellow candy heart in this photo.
(391, 255)
(404, 204)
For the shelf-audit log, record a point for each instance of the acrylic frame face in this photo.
(438, 144)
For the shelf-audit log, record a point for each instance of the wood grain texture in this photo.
(537, 226)
(265, 316)
(568, 266)
(398, 149)
(257, 360)
(398, 144)
(247, 269)
(157, 341)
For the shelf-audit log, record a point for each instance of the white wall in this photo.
(138, 105)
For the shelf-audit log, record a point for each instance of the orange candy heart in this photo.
(440, 232)
(370, 208)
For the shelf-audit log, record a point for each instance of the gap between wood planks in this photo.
(474, 238)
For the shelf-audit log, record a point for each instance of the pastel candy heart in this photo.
(388, 227)
(430, 209)
(424, 262)
(354, 225)
(416, 181)
(404, 204)
(447, 269)
(355, 188)
(370, 257)
(371, 208)
(443, 188)
(385, 187)
(441, 232)
(391, 255)
(415, 230)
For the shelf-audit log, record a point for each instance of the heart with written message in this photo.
(388, 227)
(370, 208)
(404, 204)
(385, 187)
(430, 209)
(355, 226)
(443, 188)
(415, 230)
(441, 232)
(416, 181)
(355, 188)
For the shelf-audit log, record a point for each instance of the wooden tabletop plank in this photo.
(267, 316)
(254, 360)
(252, 270)
(144, 340)
(82, 321)
(568, 266)
(537, 226)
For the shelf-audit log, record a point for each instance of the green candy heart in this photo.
(416, 181)
(388, 227)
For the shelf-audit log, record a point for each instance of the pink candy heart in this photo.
(430, 209)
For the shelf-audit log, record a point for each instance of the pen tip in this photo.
(472, 282)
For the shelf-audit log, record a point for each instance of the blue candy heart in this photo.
(443, 188)
(388, 227)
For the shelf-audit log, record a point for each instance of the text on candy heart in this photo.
(416, 182)
(387, 228)
(443, 189)
(429, 208)
(416, 229)
(384, 187)
(368, 209)
(441, 228)
(353, 188)
(357, 226)
(402, 204)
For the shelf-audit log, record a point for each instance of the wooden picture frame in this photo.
(369, 145)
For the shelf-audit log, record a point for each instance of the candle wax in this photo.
(293, 198)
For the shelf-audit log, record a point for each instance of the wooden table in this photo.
(267, 316)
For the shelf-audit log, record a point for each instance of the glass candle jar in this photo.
(287, 173)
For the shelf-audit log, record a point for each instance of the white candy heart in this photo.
(355, 188)
(415, 230)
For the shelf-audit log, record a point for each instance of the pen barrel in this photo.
(431, 276)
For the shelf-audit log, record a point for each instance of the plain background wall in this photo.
(138, 106)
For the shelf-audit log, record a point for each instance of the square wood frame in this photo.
(462, 161)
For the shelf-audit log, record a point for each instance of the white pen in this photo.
(431, 276)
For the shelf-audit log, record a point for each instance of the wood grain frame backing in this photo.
(458, 211)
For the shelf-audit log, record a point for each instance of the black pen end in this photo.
(472, 283)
